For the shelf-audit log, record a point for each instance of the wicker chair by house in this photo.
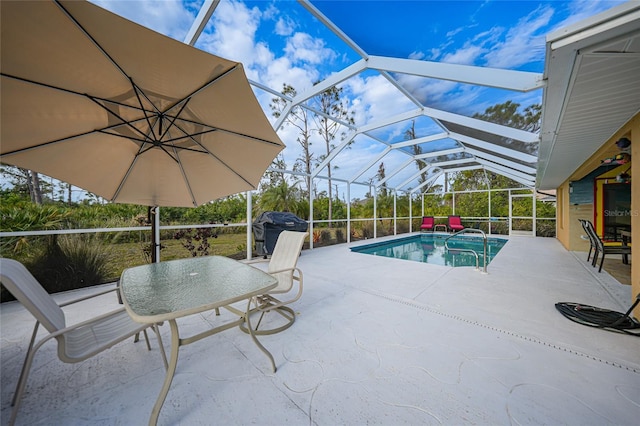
(603, 249)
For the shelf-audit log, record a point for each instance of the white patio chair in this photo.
(76, 342)
(282, 265)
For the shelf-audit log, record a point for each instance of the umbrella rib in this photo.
(184, 175)
(231, 169)
(213, 129)
(137, 91)
(104, 52)
(123, 121)
(204, 86)
(124, 179)
(174, 118)
(94, 41)
(141, 149)
(73, 92)
(40, 145)
(96, 100)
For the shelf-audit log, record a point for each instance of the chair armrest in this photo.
(277, 271)
(73, 327)
(88, 322)
(80, 299)
(249, 262)
(276, 302)
(293, 275)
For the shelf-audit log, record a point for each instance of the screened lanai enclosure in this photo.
(402, 163)
(459, 140)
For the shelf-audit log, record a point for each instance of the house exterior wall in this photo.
(569, 230)
(562, 215)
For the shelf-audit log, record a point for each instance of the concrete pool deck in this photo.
(377, 341)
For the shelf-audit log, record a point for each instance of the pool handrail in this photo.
(484, 246)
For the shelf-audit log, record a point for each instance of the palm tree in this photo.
(282, 197)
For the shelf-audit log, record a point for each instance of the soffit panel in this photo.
(605, 95)
(593, 89)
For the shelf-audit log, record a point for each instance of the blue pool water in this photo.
(429, 248)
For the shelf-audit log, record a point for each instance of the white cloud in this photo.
(302, 47)
(164, 16)
(281, 71)
(285, 26)
(234, 29)
(523, 43)
(377, 98)
(465, 56)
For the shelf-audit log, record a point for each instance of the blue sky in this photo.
(280, 42)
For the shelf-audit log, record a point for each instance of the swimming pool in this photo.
(429, 248)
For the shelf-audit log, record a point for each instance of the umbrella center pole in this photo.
(153, 215)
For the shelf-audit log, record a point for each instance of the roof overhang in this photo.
(593, 88)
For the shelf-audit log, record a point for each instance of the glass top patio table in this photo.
(170, 290)
(177, 288)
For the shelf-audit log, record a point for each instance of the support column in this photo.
(311, 215)
(348, 212)
(410, 212)
(249, 223)
(375, 211)
(395, 213)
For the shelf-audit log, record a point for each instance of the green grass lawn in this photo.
(126, 255)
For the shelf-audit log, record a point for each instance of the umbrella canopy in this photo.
(133, 116)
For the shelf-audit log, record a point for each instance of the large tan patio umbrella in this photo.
(126, 113)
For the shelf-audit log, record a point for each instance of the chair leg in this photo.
(161, 346)
(136, 338)
(601, 262)
(22, 381)
(24, 365)
(146, 339)
(589, 255)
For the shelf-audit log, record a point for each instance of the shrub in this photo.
(402, 226)
(546, 228)
(325, 237)
(500, 227)
(367, 230)
(196, 240)
(68, 262)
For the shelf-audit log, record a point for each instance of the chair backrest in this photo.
(593, 236)
(455, 221)
(427, 221)
(583, 222)
(285, 256)
(24, 287)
